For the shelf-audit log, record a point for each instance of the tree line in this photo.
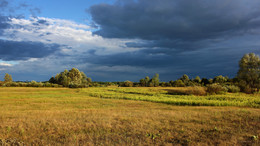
(72, 79)
(247, 79)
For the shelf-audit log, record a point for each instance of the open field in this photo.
(61, 116)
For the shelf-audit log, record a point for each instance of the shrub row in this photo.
(219, 89)
(28, 84)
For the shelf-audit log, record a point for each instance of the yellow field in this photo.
(61, 116)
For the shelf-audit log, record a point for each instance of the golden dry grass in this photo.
(49, 116)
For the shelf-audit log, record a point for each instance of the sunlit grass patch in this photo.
(45, 116)
(175, 96)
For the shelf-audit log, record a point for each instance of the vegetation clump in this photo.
(147, 82)
(249, 73)
(72, 79)
(233, 89)
(8, 78)
(216, 89)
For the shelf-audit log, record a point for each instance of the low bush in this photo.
(233, 89)
(197, 91)
(128, 84)
(8, 84)
(14, 84)
(47, 84)
(216, 89)
(55, 85)
(246, 88)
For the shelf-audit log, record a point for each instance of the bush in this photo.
(14, 84)
(8, 84)
(72, 85)
(197, 91)
(55, 85)
(246, 88)
(47, 84)
(179, 83)
(233, 89)
(21, 84)
(128, 84)
(216, 89)
(1, 83)
(200, 91)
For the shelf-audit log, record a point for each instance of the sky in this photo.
(118, 40)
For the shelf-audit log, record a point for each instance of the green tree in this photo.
(205, 81)
(75, 76)
(89, 79)
(185, 79)
(52, 80)
(147, 80)
(220, 79)
(163, 84)
(179, 83)
(128, 84)
(142, 83)
(155, 80)
(84, 78)
(197, 79)
(8, 78)
(249, 72)
(172, 83)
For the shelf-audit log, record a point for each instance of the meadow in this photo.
(127, 116)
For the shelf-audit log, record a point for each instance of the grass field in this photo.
(175, 96)
(150, 116)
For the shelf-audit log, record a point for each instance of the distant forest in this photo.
(247, 80)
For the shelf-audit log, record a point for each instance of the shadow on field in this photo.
(200, 91)
(175, 92)
(131, 92)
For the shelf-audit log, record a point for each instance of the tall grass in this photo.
(51, 116)
(175, 96)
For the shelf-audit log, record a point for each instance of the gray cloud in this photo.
(177, 24)
(139, 58)
(41, 22)
(3, 23)
(8, 11)
(3, 19)
(21, 50)
(205, 63)
(201, 37)
(14, 50)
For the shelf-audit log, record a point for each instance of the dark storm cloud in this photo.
(3, 23)
(206, 63)
(14, 50)
(3, 19)
(139, 58)
(156, 59)
(174, 23)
